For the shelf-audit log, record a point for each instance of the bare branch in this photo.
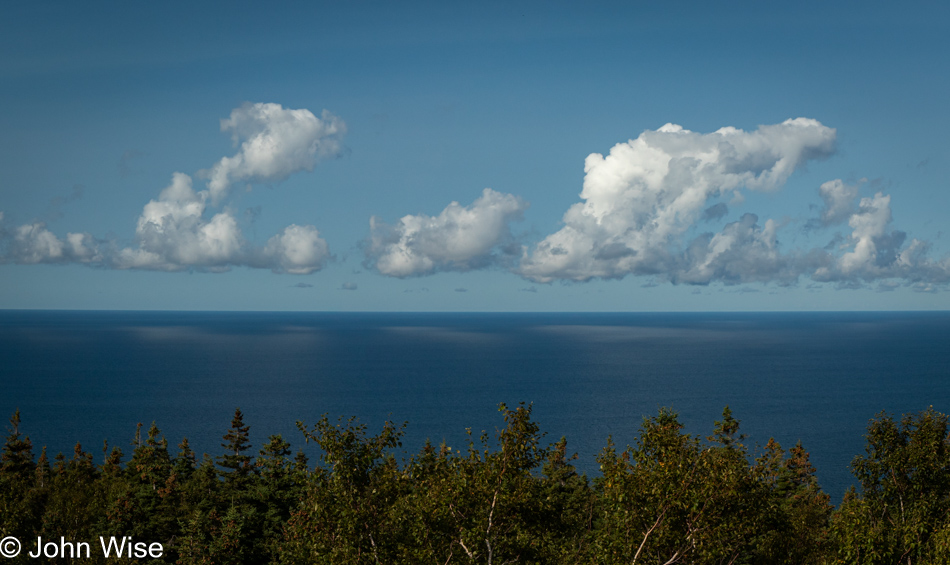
(650, 531)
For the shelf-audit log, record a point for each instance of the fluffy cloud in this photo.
(642, 199)
(873, 252)
(274, 143)
(869, 226)
(742, 252)
(460, 238)
(298, 250)
(173, 234)
(174, 231)
(646, 193)
(33, 243)
(643, 209)
(838, 203)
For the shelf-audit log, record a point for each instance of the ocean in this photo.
(815, 377)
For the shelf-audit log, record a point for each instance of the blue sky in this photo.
(117, 117)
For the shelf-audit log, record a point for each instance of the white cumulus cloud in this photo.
(869, 226)
(641, 198)
(34, 243)
(874, 252)
(173, 234)
(460, 238)
(177, 231)
(838, 199)
(273, 143)
(298, 250)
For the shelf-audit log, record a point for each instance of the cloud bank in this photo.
(645, 210)
(460, 238)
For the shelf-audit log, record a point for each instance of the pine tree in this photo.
(185, 461)
(74, 502)
(144, 499)
(242, 514)
(150, 462)
(18, 515)
(236, 443)
(43, 470)
(202, 490)
(112, 464)
(301, 463)
(17, 457)
(278, 491)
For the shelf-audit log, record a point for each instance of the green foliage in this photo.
(796, 527)
(17, 458)
(343, 517)
(235, 462)
(279, 488)
(672, 498)
(211, 540)
(73, 500)
(569, 503)
(226, 524)
(144, 501)
(507, 497)
(484, 505)
(19, 502)
(902, 514)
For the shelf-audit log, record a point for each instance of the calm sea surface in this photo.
(814, 377)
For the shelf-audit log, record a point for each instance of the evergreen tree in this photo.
(237, 442)
(74, 504)
(202, 491)
(668, 498)
(19, 512)
(208, 539)
(143, 500)
(279, 489)
(185, 461)
(43, 470)
(301, 463)
(17, 457)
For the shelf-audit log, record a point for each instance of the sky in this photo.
(510, 156)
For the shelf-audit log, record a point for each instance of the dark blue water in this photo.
(814, 377)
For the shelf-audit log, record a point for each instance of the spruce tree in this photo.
(241, 515)
(43, 471)
(73, 498)
(277, 492)
(236, 443)
(17, 458)
(18, 516)
(185, 461)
